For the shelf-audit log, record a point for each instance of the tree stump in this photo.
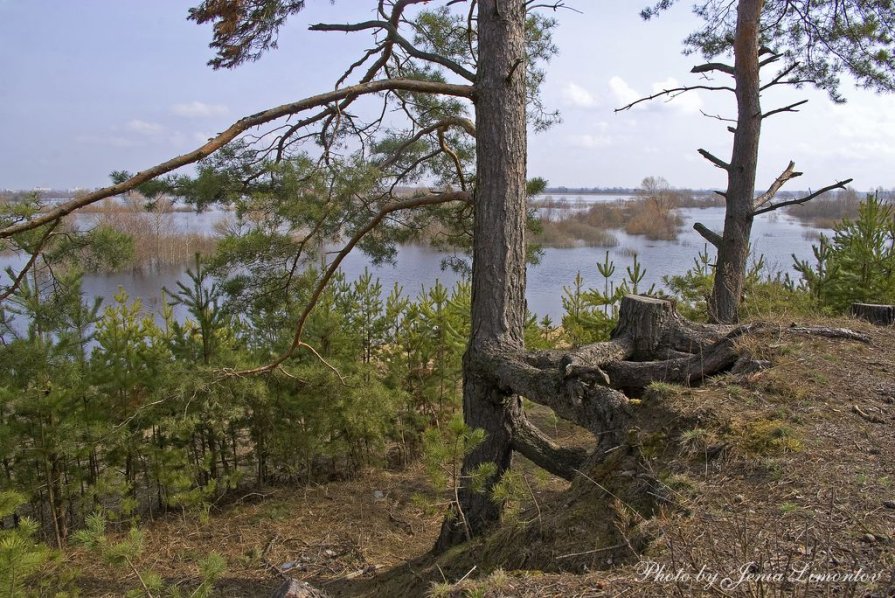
(644, 321)
(881, 315)
(591, 385)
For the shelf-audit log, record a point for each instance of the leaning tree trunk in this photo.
(733, 251)
(498, 270)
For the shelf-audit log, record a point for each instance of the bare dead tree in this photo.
(811, 42)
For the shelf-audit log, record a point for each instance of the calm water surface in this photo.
(776, 236)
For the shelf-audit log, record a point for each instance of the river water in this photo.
(775, 236)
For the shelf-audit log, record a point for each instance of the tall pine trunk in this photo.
(733, 251)
(498, 271)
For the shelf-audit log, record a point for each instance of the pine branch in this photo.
(708, 234)
(714, 159)
(790, 108)
(237, 128)
(464, 123)
(401, 41)
(713, 66)
(788, 174)
(416, 202)
(794, 202)
(673, 93)
(35, 252)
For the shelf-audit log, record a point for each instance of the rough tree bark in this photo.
(733, 249)
(881, 315)
(802, 63)
(590, 385)
(498, 271)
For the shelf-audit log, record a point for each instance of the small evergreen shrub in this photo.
(857, 264)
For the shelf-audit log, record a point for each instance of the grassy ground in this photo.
(786, 471)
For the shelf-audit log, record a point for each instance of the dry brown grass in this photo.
(156, 240)
(319, 532)
(573, 233)
(653, 217)
(605, 215)
(828, 210)
(783, 469)
(787, 466)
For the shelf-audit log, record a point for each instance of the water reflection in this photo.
(776, 237)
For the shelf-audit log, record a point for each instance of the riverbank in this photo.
(777, 237)
(751, 468)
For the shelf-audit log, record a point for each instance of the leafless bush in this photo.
(828, 209)
(157, 242)
(571, 232)
(654, 218)
(652, 215)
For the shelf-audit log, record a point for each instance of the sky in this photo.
(92, 86)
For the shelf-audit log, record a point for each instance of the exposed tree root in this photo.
(588, 385)
(529, 441)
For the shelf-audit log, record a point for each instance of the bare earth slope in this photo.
(774, 482)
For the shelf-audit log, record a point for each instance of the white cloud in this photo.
(141, 133)
(197, 109)
(587, 141)
(874, 123)
(855, 150)
(578, 97)
(850, 138)
(623, 93)
(597, 139)
(107, 140)
(689, 102)
(144, 128)
(178, 138)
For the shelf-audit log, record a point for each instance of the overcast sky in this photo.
(92, 86)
